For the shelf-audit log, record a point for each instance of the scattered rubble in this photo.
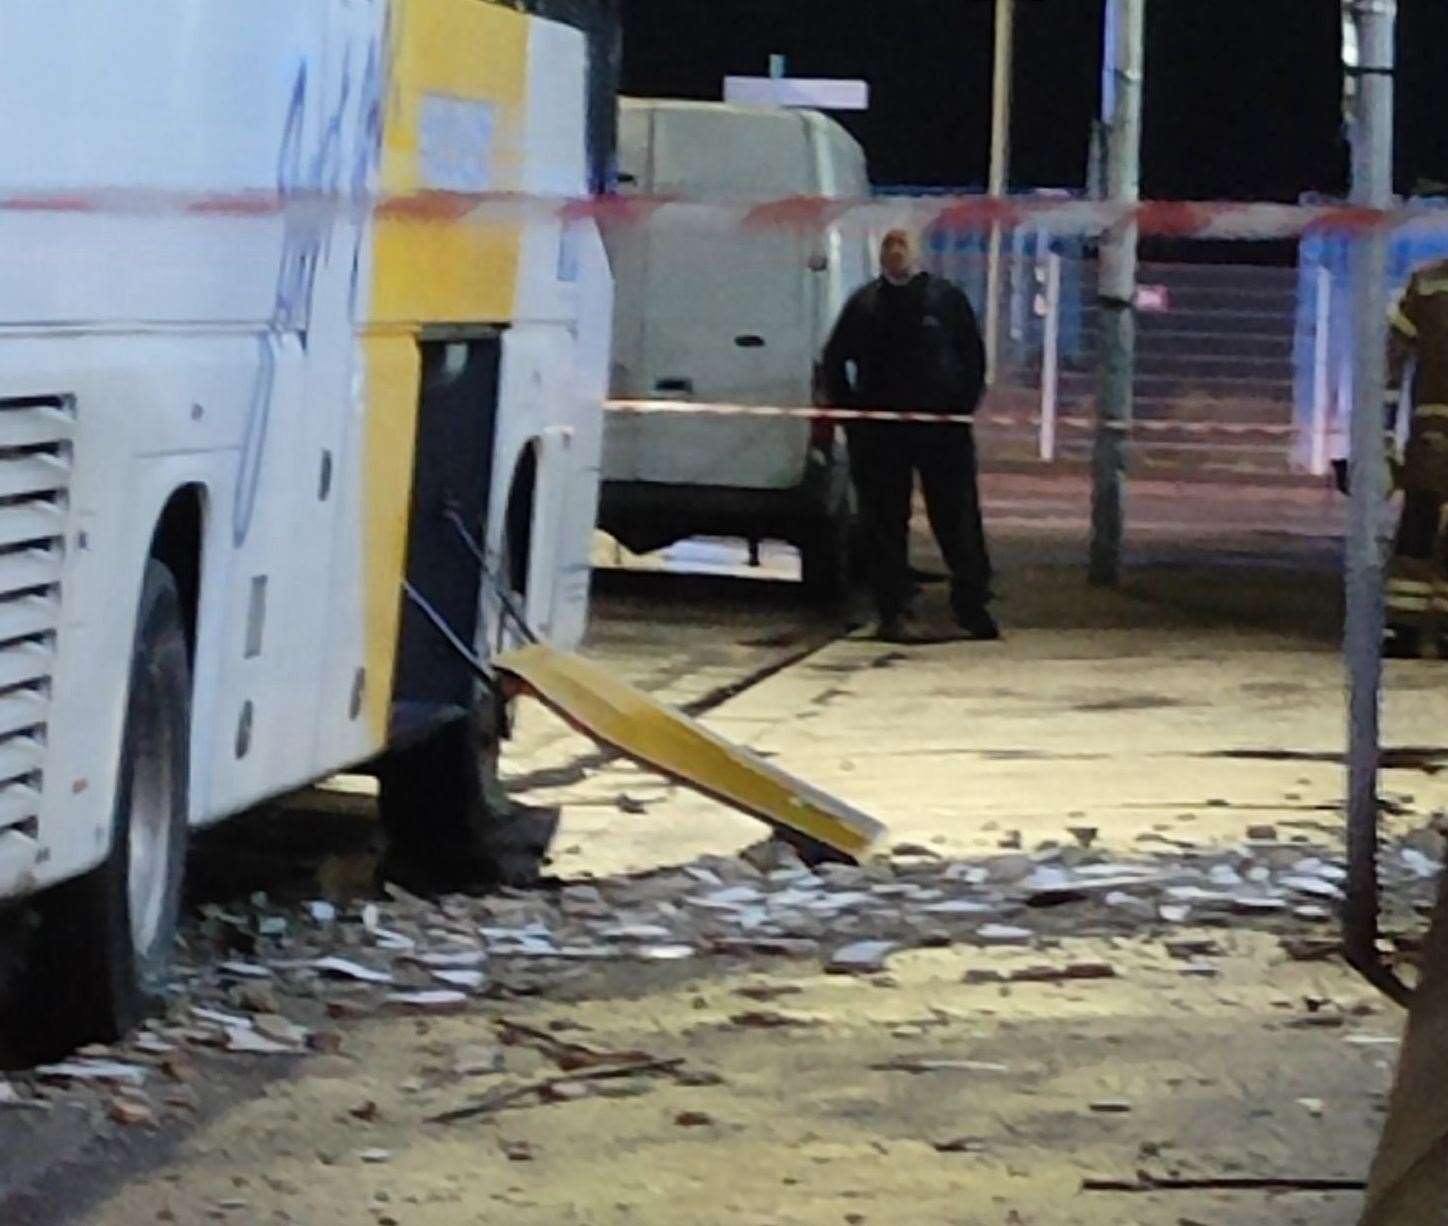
(1061, 974)
(263, 975)
(861, 958)
(693, 1119)
(939, 1066)
(94, 1070)
(961, 1145)
(1003, 934)
(477, 1061)
(133, 1112)
(11, 1097)
(556, 1089)
(435, 998)
(768, 1019)
(246, 1041)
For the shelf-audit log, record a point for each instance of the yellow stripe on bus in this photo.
(471, 59)
(461, 54)
(394, 368)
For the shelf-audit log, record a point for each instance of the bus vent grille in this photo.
(36, 438)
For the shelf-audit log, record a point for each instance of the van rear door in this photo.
(728, 316)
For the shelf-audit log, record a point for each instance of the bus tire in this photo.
(448, 823)
(103, 950)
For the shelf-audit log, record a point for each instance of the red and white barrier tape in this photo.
(692, 408)
(1059, 217)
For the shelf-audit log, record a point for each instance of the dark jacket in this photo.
(1419, 328)
(912, 347)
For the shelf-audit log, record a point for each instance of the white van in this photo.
(736, 317)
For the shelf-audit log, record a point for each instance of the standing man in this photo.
(1417, 585)
(908, 341)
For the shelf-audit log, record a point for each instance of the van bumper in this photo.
(646, 515)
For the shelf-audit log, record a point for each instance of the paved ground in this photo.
(1164, 720)
(1206, 691)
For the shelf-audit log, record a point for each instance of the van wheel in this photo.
(102, 952)
(448, 823)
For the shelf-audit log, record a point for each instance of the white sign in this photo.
(821, 94)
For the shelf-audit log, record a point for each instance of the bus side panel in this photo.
(135, 441)
(192, 109)
(584, 357)
(589, 386)
(566, 279)
(296, 659)
(530, 384)
(268, 97)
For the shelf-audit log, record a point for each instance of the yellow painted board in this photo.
(614, 713)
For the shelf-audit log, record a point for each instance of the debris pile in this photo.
(264, 980)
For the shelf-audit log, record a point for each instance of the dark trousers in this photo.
(1417, 586)
(884, 458)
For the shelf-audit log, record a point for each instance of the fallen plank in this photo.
(620, 717)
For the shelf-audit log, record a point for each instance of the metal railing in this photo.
(1215, 376)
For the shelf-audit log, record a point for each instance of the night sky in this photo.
(1243, 96)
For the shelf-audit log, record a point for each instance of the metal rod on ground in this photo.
(1117, 293)
(1372, 173)
(1000, 157)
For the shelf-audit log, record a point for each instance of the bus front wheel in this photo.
(101, 953)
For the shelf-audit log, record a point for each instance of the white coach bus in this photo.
(262, 367)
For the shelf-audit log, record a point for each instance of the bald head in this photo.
(899, 258)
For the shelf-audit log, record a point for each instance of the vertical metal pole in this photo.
(1321, 360)
(1109, 61)
(1020, 284)
(1000, 156)
(1117, 293)
(1372, 176)
(1051, 357)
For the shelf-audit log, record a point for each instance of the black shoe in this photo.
(1402, 643)
(892, 630)
(919, 578)
(978, 624)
